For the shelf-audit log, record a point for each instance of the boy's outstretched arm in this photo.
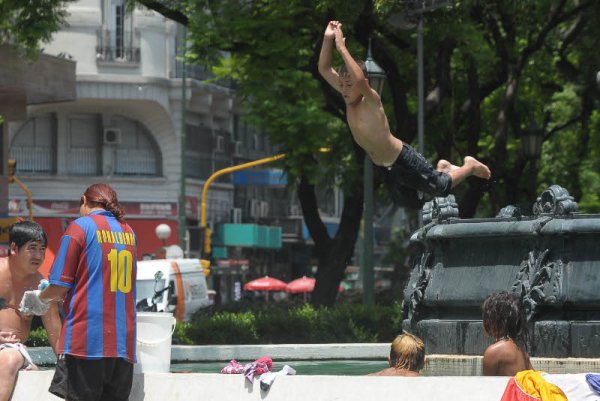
(325, 58)
(354, 70)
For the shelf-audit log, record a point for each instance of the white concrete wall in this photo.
(436, 365)
(218, 387)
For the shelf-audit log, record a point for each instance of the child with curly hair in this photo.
(504, 320)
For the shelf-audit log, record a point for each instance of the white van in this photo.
(171, 285)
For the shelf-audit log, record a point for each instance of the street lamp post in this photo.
(531, 145)
(405, 20)
(183, 157)
(163, 232)
(376, 77)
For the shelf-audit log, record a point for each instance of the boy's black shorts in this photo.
(78, 379)
(412, 170)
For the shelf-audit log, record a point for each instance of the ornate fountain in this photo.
(551, 259)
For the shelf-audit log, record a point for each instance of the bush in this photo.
(224, 328)
(38, 338)
(281, 324)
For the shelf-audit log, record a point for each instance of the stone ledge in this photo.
(211, 386)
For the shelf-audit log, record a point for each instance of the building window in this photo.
(84, 132)
(118, 42)
(34, 146)
(199, 147)
(136, 152)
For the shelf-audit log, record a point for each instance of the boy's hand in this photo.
(330, 29)
(340, 40)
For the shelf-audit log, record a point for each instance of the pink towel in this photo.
(261, 365)
(233, 367)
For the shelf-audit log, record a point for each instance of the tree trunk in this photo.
(335, 253)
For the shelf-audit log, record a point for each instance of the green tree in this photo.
(28, 23)
(493, 70)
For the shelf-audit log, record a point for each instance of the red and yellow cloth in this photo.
(530, 385)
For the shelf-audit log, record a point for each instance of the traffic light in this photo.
(207, 241)
(12, 168)
(205, 266)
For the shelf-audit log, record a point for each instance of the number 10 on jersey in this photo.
(121, 270)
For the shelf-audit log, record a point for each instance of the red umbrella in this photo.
(265, 283)
(302, 284)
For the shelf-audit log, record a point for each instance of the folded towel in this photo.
(233, 367)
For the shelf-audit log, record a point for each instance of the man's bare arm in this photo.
(354, 70)
(325, 58)
(52, 324)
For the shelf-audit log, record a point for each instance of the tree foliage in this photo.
(494, 71)
(27, 24)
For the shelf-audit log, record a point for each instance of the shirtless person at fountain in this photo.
(407, 357)
(19, 273)
(370, 129)
(504, 320)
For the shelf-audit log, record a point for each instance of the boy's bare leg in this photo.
(471, 166)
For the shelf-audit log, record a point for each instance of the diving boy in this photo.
(370, 128)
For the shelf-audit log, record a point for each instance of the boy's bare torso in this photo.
(12, 290)
(370, 129)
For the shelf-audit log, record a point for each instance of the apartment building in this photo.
(125, 128)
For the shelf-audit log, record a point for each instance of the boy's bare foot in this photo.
(444, 166)
(478, 168)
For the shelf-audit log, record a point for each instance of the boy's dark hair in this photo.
(24, 231)
(504, 317)
(343, 70)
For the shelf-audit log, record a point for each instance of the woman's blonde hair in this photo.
(407, 352)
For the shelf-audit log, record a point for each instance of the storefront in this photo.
(54, 216)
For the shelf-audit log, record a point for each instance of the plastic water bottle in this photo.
(43, 284)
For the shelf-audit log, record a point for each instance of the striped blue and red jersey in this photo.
(97, 262)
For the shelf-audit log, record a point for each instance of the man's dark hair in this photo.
(24, 231)
(343, 70)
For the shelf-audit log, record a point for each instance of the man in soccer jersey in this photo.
(95, 271)
(19, 273)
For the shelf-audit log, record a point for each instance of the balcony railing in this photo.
(116, 46)
(33, 159)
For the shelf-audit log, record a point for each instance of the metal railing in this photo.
(33, 159)
(118, 46)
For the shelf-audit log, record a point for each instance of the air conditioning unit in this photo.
(253, 208)
(264, 209)
(112, 136)
(237, 148)
(219, 143)
(236, 215)
(295, 210)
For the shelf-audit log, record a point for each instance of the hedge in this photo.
(284, 324)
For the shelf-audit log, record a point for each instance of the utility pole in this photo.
(181, 214)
